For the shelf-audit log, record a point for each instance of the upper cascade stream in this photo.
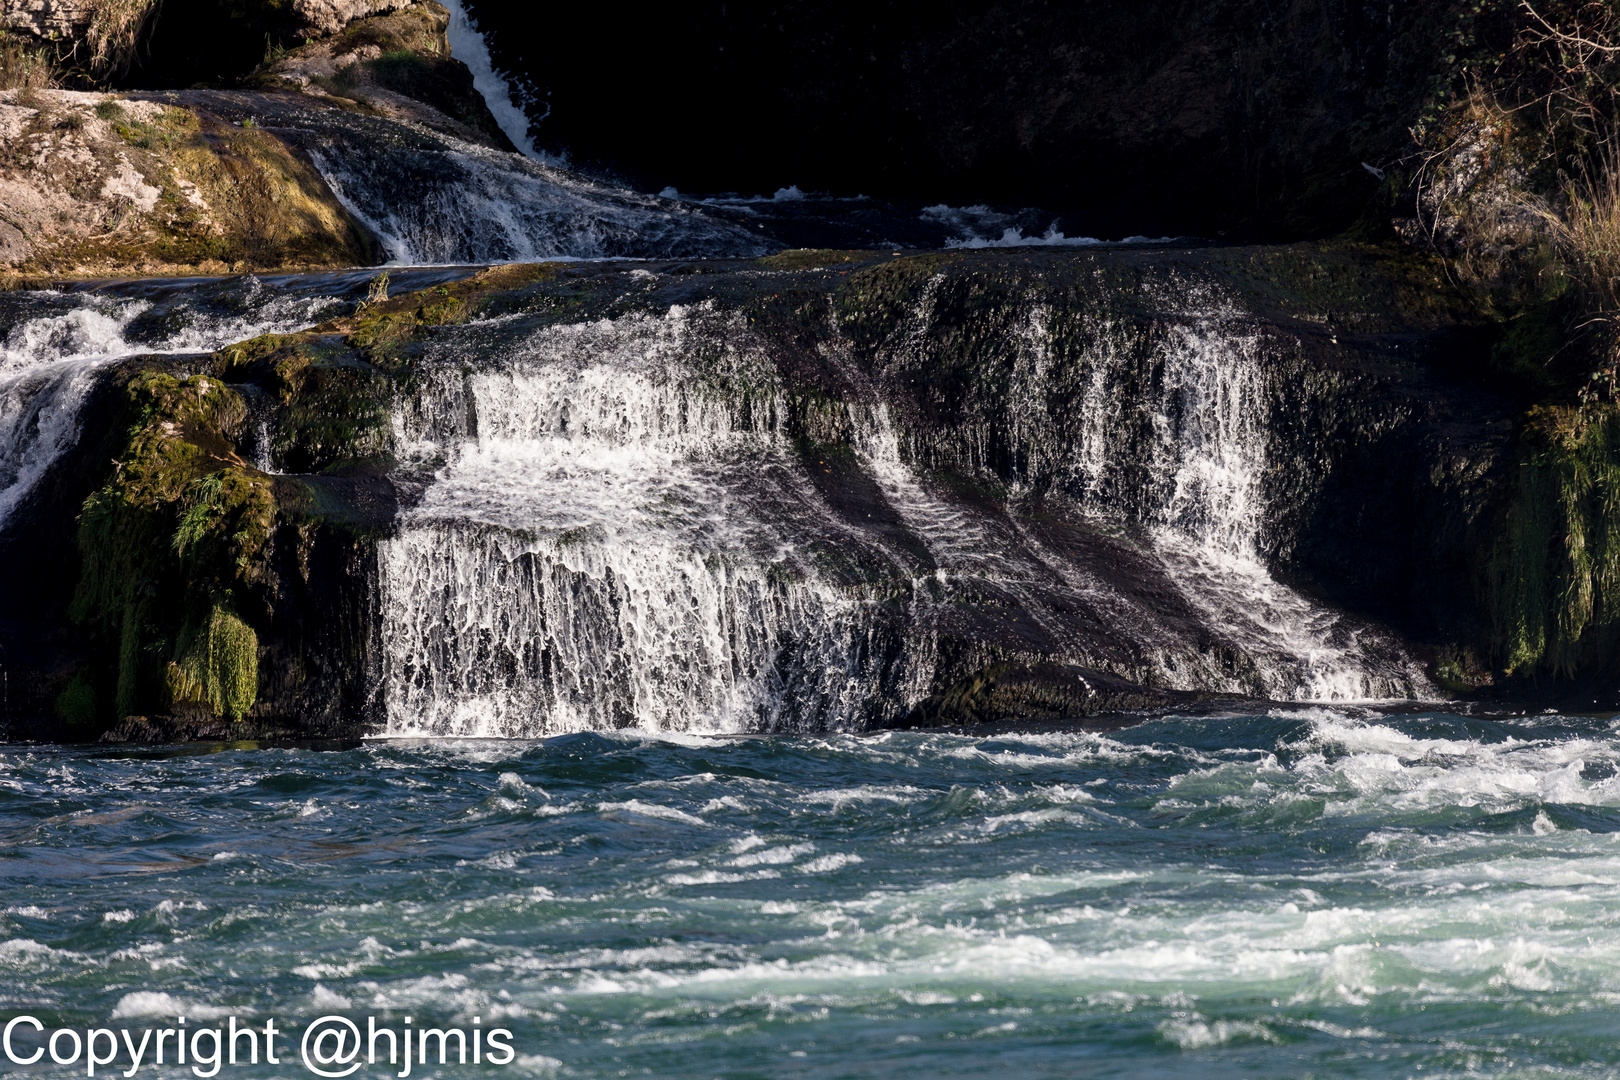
(431, 198)
(468, 46)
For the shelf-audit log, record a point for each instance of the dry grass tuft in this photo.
(115, 33)
(25, 66)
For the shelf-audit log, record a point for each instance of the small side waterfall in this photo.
(49, 360)
(47, 368)
(1169, 427)
(1206, 506)
(431, 198)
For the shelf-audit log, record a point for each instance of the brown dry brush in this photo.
(1576, 50)
(98, 52)
(1518, 186)
(25, 65)
(113, 37)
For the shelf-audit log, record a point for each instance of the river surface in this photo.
(1311, 892)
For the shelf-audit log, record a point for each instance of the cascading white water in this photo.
(619, 534)
(606, 549)
(48, 364)
(467, 45)
(431, 198)
(46, 369)
(1208, 528)
(1200, 481)
(434, 199)
(1174, 437)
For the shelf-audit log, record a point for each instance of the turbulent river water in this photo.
(1306, 892)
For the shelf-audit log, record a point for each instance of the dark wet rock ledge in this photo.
(162, 585)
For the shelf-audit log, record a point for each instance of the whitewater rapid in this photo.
(1308, 891)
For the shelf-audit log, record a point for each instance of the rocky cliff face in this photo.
(211, 181)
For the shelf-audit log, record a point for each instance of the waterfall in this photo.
(1198, 484)
(620, 532)
(1213, 402)
(431, 198)
(468, 46)
(617, 541)
(629, 521)
(47, 369)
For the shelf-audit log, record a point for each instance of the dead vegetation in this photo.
(25, 65)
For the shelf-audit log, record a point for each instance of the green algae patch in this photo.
(75, 706)
(873, 302)
(218, 666)
(180, 527)
(389, 321)
(1554, 570)
(332, 405)
(169, 129)
(816, 258)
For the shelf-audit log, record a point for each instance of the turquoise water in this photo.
(1306, 893)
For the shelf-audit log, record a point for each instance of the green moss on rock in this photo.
(179, 527)
(218, 666)
(1554, 572)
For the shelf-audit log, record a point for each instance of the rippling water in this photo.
(1307, 892)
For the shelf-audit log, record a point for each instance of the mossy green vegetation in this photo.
(166, 543)
(76, 705)
(384, 322)
(162, 133)
(1554, 573)
(218, 666)
(816, 258)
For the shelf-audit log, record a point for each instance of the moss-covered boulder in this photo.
(106, 184)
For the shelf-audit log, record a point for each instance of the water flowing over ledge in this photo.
(768, 495)
(623, 533)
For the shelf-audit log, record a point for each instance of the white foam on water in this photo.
(1517, 916)
(976, 227)
(1373, 765)
(142, 1003)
